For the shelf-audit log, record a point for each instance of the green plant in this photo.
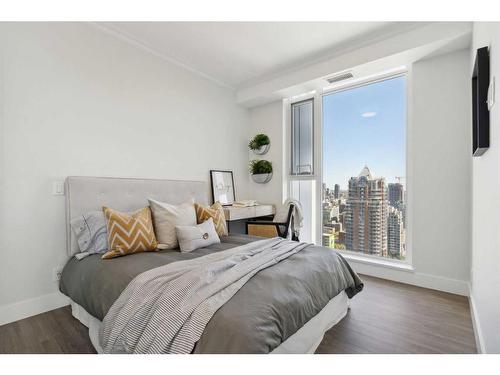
(258, 141)
(260, 167)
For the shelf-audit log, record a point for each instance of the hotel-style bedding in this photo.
(264, 311)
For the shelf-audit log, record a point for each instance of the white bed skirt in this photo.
(89, 321)
(304, 341)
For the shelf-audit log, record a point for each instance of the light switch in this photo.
(491, 94)
(58, 188)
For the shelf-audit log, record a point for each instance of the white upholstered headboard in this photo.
(84, 194)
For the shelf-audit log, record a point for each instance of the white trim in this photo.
(29, 307)
(478, 333)
(423, 280)
(120, 34)
(317, 204)
(409, 167)
(379, 261)
(301, 177)
(287, 146)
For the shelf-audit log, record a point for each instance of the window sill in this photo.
(379, 262)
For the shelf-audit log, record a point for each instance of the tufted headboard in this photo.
(84, 194)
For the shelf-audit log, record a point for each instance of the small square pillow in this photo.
(216, 212)
(129, 233)
(167, 216)
(90, 232)
(201, 235)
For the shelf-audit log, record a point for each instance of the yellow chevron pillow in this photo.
(216, 212)
(129, 233)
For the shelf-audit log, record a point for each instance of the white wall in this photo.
(441, 148)
(77, 101)
(268, 119)
(440, 159)
(485, 275)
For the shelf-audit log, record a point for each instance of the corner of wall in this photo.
(476, 325)
(485, 258)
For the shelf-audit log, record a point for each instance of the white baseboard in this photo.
(478, 334)
(423, 280)
(34, 306)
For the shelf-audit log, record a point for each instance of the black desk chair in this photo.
(270, 229)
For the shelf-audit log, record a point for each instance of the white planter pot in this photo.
(263, 178)
(262, 150)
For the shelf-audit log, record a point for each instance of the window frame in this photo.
(288, 177)
(408, 261)
(292, 138)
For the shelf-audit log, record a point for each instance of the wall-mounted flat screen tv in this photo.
(480, 112)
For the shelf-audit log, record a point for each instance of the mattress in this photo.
(268, 310)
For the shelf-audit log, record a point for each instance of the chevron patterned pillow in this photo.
(216, 212)
(129, 233)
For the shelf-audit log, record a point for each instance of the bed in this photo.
(285, 308)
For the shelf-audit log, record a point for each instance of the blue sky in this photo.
(365, 125)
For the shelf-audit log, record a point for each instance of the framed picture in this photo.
(222, 187)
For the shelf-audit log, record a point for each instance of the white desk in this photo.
(236, 215)
(241, 213)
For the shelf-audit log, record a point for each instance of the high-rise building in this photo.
(326, 213)
(328, 240)
(336, 191)
(395, 233)
(396, 194)
(328, 237)
(366, 214)
(340, 240)
(401, 206)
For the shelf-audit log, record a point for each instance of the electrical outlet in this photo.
(56, 274)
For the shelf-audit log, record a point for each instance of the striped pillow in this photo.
(129, 233)
(216, 212)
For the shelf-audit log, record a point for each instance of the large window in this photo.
(364, 167)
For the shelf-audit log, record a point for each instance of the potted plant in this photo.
(260, 144)
(261, 171)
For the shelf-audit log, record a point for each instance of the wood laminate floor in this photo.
(387, 317)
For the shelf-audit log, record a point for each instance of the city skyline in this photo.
(368, 218)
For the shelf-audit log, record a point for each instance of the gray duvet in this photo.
(268, 309)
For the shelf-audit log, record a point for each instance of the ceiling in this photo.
(237, 54)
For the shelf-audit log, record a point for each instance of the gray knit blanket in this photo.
(166, 309)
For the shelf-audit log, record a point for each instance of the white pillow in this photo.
(166, 217)
(90, 232)
(195, 237)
